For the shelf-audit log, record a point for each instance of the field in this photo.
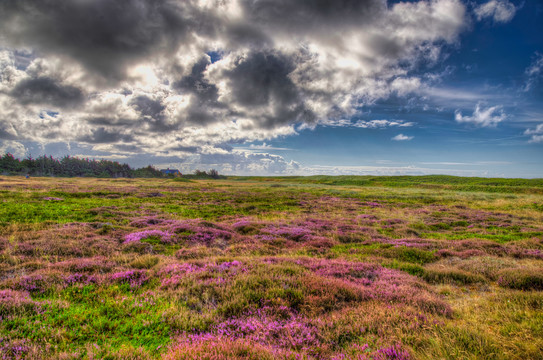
(271, 268)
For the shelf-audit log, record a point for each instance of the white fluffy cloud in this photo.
(500, 11)
(13, 147)
(239, 163)
(381, 124)
(402, 137)
(536, 134)
(482, 117)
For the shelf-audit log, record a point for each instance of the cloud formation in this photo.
(402, 137)
(534, 72)
(381, 124)
(184, 77)
(536, 134)
(500, 11)
(481, 117)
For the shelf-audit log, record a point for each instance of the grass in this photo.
(431, 267)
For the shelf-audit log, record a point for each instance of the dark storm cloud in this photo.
(103, 35)
(204, 94)
(239, 33)
(6, 135)
(102, 135)
(187, 149)
(262, 80)
(195, 83)
(149, 107)
(308, 15)
(47, 91)
(127, 148)
(106, 121)
(152, 114)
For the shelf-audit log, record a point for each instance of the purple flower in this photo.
(135, 278)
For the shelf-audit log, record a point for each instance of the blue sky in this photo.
(279, 87)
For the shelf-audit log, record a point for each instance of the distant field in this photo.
(430, 267)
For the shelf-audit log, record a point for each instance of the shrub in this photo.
(220, 348)
(12, 301)
(162, 236)
(197, 252)
(144, 262)
(521, 279)
(412, 269)
(488, 266)
(445, 276)
(410, 254)
(138, 247)
(135, 278)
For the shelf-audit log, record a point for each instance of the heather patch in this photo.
(33, 283)
(12, 302)
(521, 279)
(98, 264)
(80, 279)
(134, 278)
(163, 236)
(15, 349)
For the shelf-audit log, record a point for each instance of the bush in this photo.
(144, 262)
(220, 349)
(445, 276)
(521, 279)
(412, 255)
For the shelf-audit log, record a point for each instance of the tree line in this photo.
(72, 167)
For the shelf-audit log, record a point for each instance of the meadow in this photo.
(318, 267)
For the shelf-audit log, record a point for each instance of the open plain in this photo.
(431, 267)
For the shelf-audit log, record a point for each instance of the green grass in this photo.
(434, 182)
(90, 315)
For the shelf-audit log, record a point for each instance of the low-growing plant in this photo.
(455, 276)
(145, 261)
(521, 279)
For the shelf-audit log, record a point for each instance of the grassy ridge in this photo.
(445, 182)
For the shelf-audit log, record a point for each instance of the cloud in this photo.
(136, 76)
(500, 11)
(102, 135)
(112, 157)
(265, 146)
(489, 117)
(13, 147)
(104, 36)
(239, 163)
(534, 72)
(260, 85)
(536, 134)
(389, 170)
(47, 91)
(381, 124)
(402, 137)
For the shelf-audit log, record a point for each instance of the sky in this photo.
(277, 87)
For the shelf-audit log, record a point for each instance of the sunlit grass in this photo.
(282, 268)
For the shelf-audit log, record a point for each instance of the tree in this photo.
(214, 174)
